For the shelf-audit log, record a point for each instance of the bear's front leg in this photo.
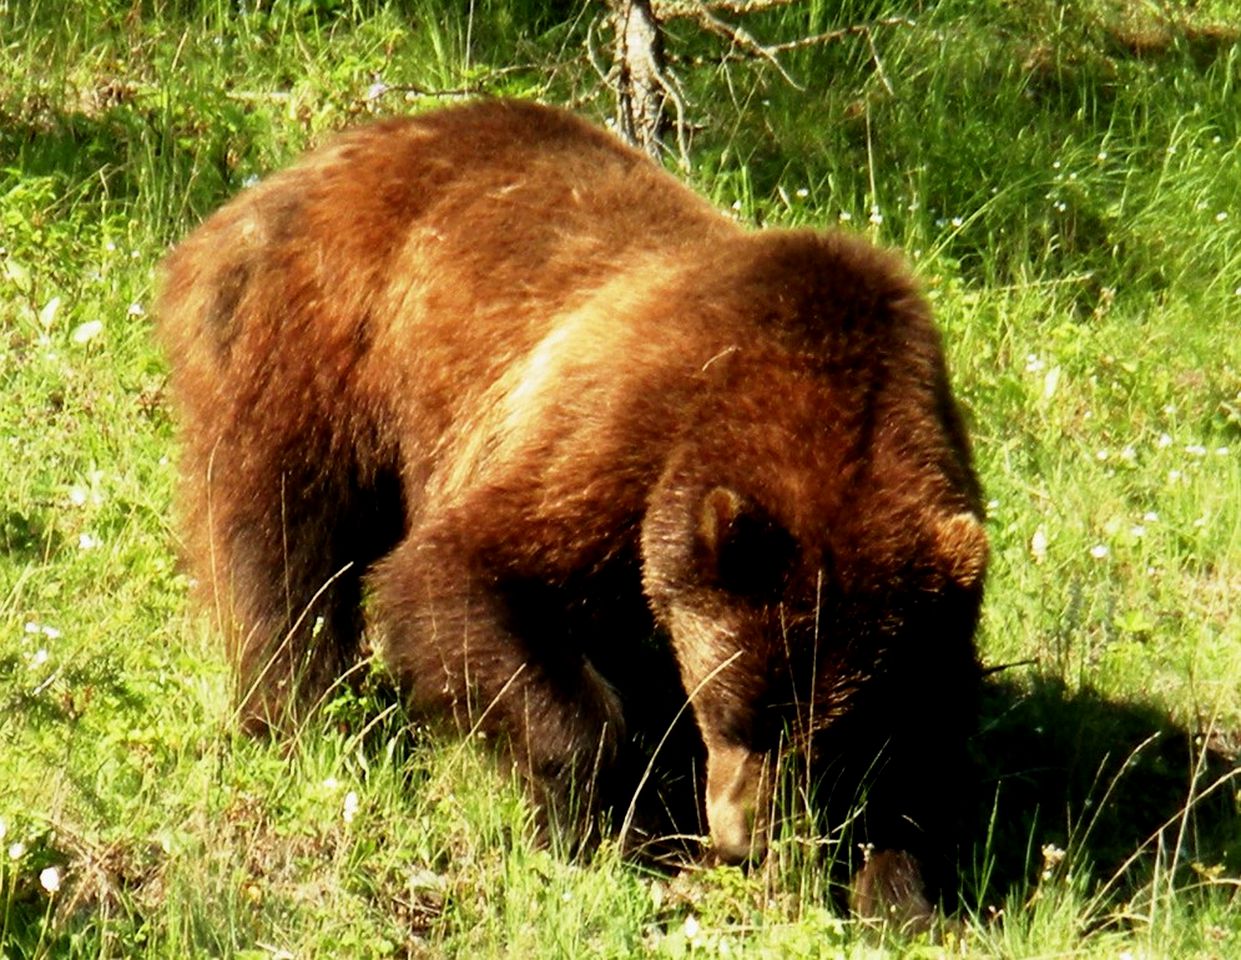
(462, 644)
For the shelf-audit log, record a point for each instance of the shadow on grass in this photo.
(1116, 785)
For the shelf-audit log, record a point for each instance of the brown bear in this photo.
(496, 388)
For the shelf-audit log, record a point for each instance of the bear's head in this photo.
(812, 561)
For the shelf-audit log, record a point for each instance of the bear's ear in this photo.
(960, 542)
(744, 550)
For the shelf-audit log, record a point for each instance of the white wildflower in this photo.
(692, 927)
(1099, 551)
(17, 850)
(136, 309)
(1038, 545)
(49, 879)
(350, 809)
(87, 331)
(87, 541)
(48, 313)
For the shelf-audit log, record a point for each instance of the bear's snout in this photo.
(738, 802)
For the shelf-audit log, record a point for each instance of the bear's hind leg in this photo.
(287, 551)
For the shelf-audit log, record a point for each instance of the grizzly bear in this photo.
(491, 386)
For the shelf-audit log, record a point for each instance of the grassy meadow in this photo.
(1065, 179)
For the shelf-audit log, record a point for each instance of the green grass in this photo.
(1066, 179)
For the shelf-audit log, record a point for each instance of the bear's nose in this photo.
(738, 801)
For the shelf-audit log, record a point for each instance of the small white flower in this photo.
(1034, 363)
(1150, 516)
(1196, 450)
(50, 632)
(38, 658)
(1101, 155)
(48, 313)
(87, 541)
(17, 850)
(1221, 216)
(49, 879)
(31, 627)
(350, 809)
(136, 309)
(845, 216)
(1138, 531)
(1221, 451)
(1102, 454)
(1174, 476)
(1038, 545)
(87, 331)
(691, 927)
(77, 496)
(802, 192)
(1163, 441)
(250, 180)
(330, 784)
(875, 216)
(376, 90)
(957, 221)
(1128, 454)
(1099, 551)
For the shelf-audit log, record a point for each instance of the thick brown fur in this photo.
(538, 402)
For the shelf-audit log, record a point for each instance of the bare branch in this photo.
(861, 29)
(740, 37)
(677, 9)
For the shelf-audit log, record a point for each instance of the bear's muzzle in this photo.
(738, 802)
